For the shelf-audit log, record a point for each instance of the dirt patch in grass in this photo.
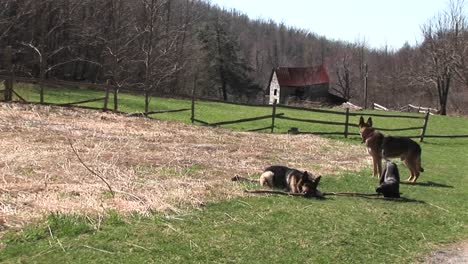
(453, 254)
(152, 165)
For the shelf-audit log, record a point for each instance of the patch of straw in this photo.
(151, 165)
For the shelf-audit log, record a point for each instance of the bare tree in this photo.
(344, 73)
(115, 38)
(158, 44)
(51, 20)
(186, 16)
(13, 14)
(148, 43)
(443, 40)
(461, 70)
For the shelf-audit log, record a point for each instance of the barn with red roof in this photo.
(296, 84)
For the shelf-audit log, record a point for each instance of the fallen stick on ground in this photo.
(351, 194)
(310, 195)
(316, 193)
(274, 192)
(90, 170)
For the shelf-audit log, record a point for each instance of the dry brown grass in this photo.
(152, 165)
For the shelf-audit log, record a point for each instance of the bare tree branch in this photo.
(89, 169)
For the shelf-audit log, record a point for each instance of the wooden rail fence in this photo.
(9, 85)
(9, 92)
(10, 79)
(346, 123)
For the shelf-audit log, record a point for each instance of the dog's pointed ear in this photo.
(369, 121)
(361, 121)
(305, 176)
(317, 179)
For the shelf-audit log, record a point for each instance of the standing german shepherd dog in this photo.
(380, 146)
(291, 180)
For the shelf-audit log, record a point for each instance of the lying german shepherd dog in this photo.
(389, 183)
(380, 146)
(290, 180)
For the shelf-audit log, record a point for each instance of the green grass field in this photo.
(271, 229)
(212, 112)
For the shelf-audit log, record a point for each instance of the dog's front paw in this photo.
(236, 178)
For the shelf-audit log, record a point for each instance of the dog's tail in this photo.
(240, 178)
(421, 169)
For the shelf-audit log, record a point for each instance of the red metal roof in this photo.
(302, 76)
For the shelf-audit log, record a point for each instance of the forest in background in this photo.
(170, 47)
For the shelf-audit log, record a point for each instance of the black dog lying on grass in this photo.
(389, 181)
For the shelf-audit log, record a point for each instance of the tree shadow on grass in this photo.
(396, 200)
(453, 142)
(374, 196)
(404, 200)
(428, 184)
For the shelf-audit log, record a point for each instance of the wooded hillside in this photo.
(168, 47)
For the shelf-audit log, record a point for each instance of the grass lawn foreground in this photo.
(270, 229)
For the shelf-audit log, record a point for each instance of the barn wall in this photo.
(317, 92)
(311, 93)
(275, 89)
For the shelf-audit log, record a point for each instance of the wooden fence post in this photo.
(192, 117)
(366, 76)
(346, 123)
(116, 98)
(147, 101)
(273, 115)
(42, 77)
(8, 92)
(423, 132)
(41, 93)
(106, 97)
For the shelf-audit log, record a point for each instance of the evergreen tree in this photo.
(227, 71)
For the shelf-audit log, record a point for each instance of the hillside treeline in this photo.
(175, 47)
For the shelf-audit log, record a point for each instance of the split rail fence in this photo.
(346, 125)
(10, 79)
(274, 116)
(107, 89)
